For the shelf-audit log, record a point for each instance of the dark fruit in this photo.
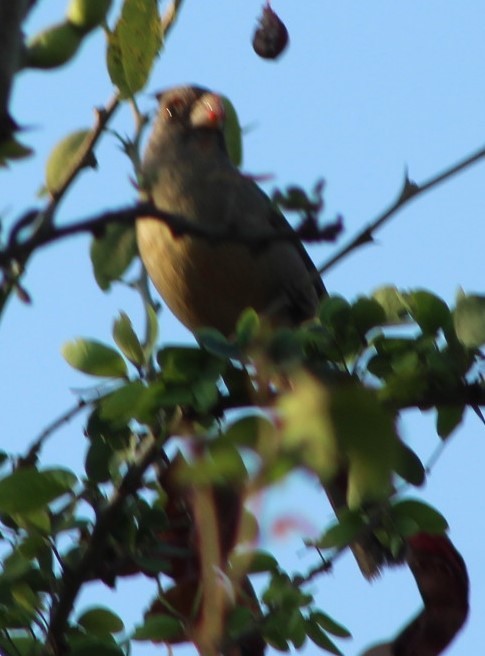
(271, 36)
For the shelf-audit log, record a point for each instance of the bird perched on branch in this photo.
(187, 171)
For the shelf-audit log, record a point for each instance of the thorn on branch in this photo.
(410, 189)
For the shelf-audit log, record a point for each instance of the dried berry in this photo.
(271, 36)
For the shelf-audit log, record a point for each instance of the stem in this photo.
(409, 192)
(74, 579)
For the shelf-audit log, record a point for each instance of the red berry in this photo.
(271, 36)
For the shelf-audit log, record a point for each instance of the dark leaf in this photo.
(100, 621)
(28, 489)
(112, 253)
(448, 418)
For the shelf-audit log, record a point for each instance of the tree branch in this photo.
(38, 443)
(42, 221)
(410, 191)
(103, 116)
(16, 250)
(73, 579)
(11, 16)
(467, 394)
(170, 16)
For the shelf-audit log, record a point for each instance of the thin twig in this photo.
(74, 579)
(44, 218)
(103, 116)
(66, 417)
(410, 191)
(170, 16)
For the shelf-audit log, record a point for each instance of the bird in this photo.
(187, 172)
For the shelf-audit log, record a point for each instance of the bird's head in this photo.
(191, 108)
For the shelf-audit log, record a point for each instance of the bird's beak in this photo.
(208, 112)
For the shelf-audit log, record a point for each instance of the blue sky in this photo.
(365, 91)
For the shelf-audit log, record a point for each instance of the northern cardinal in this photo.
(186, 171)
(442, 579)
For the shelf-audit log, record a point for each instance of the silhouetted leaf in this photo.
(448, 418)
(158, 629)
(112, 253)
(100, 621)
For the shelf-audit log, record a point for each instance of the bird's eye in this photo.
(174, 108)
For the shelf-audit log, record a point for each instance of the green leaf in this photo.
(24, 597)
(307, 432)
(13, 149)
(112, 253)
(21, 645)
(343, 533)
(247, 327)
(89, 645)
(284, 347)
(158, 629)
(86, 14)
(133, 45)
(184, 364)
(223, 464)
(16, 566)
(38, 519)
(152, 330)
(100, 621)
(27, 490)
(469, 320)
(429, 311)
(319, 428)
(255, 562)
(320, 638)
(98, 460)
(53, 47)
(232, 132)
(297, 629)
(214, 342)
(425, 517)
(367, 313)
(408, 466)
(330, 625)
(334, 312)
(392, 302)
(254, 432)
(125, 337)
(283, 592)
(65, 157)
(94, 358)
(128, 402)
(239, 620)
(448, 418)
(205, 395)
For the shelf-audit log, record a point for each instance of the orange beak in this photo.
(208, 112)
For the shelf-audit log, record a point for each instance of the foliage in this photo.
(323, 398)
